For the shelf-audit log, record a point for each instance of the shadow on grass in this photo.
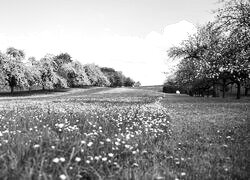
(33, 92)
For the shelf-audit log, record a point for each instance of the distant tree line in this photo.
(217, 55)
(52, 72)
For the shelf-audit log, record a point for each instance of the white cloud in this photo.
(143, 59)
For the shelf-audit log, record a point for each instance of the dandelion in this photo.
(56, 160)
(53, 147)
(61, 125)
(87, 161)
(108, 140)
(63, 177)
(110, 154)
(104, 159)
(183, 174)
(134, 152)
(77, 159)
(62, 159)
(101, 142)
(83, 142)
(36, 146)
(89, 144)
(135, 165)
(225, 145)
(159, 177)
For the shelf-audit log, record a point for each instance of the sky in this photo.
(131, 36)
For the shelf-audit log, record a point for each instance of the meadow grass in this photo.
(104, 133)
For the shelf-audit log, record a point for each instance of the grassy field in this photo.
(103, 133)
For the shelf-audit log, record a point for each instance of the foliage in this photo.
(77, 76)
(52, 72)
(13, 69)
(137, 84)
(95, 75)
(219, 53)
(171, 86)
(128, 82)
(50, 79)
(116, 78)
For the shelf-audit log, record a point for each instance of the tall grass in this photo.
(130, 135)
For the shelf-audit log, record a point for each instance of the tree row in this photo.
(52, 72)
(217, 55)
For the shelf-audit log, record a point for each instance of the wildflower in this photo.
(56, 160)
(89, 144)
(104, 159)
(83, 142)
(159, 177)
(62, 159)
(110, 154)
(108, 140)
(135, 165)
(183, 174)
(61, 125)
(63, 177)
(134, 152)
(53, 147)
(87, 161)
(77, 159)
(117, 143)
(36, 146)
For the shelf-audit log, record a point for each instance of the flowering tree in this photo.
(219, 52)
(13, 69)
(49, 77)
(33, 73)
(199, 61)
(95, 75)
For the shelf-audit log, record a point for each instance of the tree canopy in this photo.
(51, 72)
(218, 54)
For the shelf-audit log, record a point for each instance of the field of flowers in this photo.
(103, 133)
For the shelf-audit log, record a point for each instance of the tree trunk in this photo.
(238, 90)
(12, 89)
(246, 91)
(224, 88)
(202, 92)
(214, 90)
(43, 88)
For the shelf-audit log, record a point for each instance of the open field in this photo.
(104, 133)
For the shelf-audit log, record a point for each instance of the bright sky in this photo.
(131, 36)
